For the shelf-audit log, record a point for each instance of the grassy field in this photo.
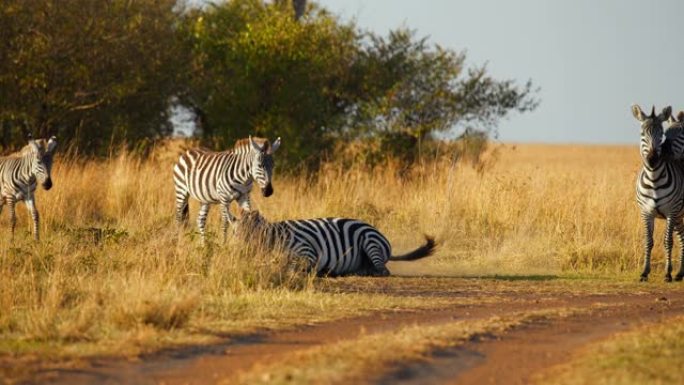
(113, 275)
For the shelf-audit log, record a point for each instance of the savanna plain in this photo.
(534, 280)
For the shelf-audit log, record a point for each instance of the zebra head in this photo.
(676, 121)
(651, 134)
(40, 157)
(261, 162)
(251, 226)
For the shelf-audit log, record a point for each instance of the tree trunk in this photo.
(299, 8)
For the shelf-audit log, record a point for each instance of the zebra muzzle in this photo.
(653, 158)
(47, 184)
(267, 191)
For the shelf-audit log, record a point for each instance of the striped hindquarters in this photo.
(336, 246)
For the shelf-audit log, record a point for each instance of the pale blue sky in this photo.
(591, 58)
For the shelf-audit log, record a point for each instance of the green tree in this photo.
(94, 73)
(256, 70)
(418, 89)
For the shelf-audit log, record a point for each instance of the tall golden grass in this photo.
(112, 264)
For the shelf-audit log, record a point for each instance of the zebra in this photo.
(673, 146)
(222, 177)
(19, 175)
(330, 246)
(659, 190)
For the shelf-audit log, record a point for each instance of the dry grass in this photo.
(647, 355)
(113, 274)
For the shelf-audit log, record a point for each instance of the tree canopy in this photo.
(103, 73)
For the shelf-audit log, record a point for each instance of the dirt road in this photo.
(513, 357)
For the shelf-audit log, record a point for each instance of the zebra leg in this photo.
(378, 263)
(679, 228)
(227, 218)
(182, 209)
(668, 249)
(31, 206)
(202, 220)
(648, 245)
(11, 202)
(245, 203)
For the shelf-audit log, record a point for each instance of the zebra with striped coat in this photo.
(659, 190)
(20, 174)
(673, 146)
(330, 246)
(223, 177)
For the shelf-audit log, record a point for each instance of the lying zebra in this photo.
(332, 246)
(19, 175)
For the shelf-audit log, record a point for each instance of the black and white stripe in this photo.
(331, 246)
(222, 177)
(673, 146)
(19, 175)
(659, 189)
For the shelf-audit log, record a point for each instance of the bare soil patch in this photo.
(519, 355)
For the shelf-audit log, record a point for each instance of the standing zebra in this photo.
(19, 175)
(659, 190)
(674, 137)
(331, 246)
(222, 177)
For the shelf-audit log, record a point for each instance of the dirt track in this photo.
(512, 358)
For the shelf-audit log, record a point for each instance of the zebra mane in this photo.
(243, 144)
(28, 149)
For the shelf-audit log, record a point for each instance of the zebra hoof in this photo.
(668, 278)
(679, 277)
(644, 278)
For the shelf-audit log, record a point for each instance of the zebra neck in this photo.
(655, 172)
(239, 170)
(26, 174)
(274, 235)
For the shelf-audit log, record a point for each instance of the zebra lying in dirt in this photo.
(331, 246)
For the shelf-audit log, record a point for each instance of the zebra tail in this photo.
(424, 251)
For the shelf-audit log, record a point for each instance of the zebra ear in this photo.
(255, 145)
(52, 144)
(638, 113)
(275, 146)
(667, 111)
